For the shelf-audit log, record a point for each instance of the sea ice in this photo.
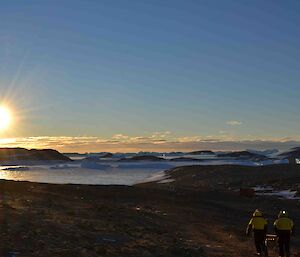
(93, 165)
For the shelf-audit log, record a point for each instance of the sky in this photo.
(129, 75)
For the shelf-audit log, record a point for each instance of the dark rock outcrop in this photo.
(12, 154)
(107, 155)
(242, 154)
(203, 152)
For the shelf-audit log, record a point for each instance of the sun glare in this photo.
(4, 118)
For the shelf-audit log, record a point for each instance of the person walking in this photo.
(258, 225)
(284, 227)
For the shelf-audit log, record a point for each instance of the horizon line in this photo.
(160, 143)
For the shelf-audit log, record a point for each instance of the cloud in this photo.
(120, 136)
(152, 142)
(234, 123)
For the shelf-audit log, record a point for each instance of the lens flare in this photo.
(5, 118)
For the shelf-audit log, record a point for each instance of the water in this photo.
(78, 175)
(114, 173)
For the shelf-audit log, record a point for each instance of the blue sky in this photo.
(188, 70)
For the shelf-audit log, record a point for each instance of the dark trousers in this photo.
(259, 240)
(284, 237)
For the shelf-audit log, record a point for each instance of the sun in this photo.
(5, 118)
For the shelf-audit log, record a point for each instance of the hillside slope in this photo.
(11, 154)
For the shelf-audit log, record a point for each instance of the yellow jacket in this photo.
(284, 224)
(257, 223)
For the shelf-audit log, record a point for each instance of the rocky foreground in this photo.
(199, 214)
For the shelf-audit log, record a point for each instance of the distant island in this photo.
(99, 155)
(242, 154)
(17, 154)
(184, 159)
(143, 158)
(202, 152)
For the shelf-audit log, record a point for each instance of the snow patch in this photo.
(262, 188)
(160, 178)
(282, 194)
(168, 180)
(272, 162)
(156, 177)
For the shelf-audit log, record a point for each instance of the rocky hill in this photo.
(294, 153)
(242, 154)
(222, 177)
(13, 154)
(203, 152)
